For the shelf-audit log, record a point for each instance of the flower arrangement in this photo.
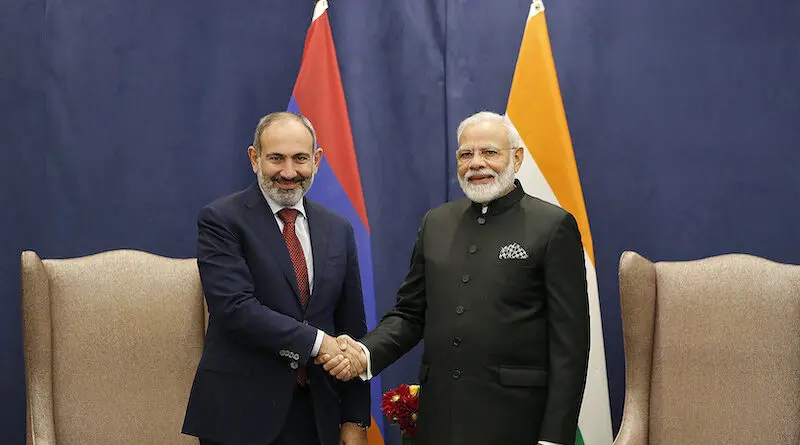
(400, 406)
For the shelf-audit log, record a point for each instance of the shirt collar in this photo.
(275, 207)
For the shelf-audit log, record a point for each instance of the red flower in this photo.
(400, 406)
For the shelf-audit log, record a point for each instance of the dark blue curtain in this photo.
(119, 120)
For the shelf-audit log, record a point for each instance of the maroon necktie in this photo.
(289, 216)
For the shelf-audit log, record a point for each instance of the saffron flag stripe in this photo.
(537, 110)
(549, 172)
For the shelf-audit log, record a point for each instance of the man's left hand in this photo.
(352, 434)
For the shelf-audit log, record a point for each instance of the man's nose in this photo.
(288, 171)
(477, 162)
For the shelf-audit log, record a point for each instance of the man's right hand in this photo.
(334, 348)
(342, 357)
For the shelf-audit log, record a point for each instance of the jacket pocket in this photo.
(225, 363)
(511, 376)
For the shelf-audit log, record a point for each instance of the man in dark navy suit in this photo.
(280, 275)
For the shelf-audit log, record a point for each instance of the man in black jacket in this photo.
(497, 289)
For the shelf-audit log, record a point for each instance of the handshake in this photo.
(342, 357)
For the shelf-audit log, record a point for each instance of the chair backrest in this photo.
(112, 342)
(712, 349)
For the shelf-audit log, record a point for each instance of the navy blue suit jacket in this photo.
(258, 333)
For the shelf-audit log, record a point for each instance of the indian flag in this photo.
(549, 172)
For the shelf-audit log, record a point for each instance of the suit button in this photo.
(481, 220)
(456, 373)
(456, 341)
(465, 278)
(473, 248)
(293, 365)
(459, 310)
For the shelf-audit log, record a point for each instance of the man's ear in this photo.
(317, 158)
(254, 158)
(519, 155)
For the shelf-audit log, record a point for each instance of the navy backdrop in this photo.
(118, 120)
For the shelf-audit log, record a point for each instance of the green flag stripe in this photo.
(579, 438)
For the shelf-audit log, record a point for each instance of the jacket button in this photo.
(456, 373)
(465, 278)
(481, 220)
(459, 309)
(473, 248)
(456, 341)
(293, 365)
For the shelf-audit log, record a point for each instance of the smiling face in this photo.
(486, 161)
(285, 160)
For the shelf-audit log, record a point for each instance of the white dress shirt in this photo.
(304, 235)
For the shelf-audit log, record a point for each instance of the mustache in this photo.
(481, 172)
(278, 178)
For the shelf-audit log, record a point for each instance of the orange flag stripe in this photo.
(536, 108)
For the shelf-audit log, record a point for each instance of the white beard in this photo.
(284, 197)
(483, 193)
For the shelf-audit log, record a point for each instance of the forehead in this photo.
(286, 136)
(484, 133)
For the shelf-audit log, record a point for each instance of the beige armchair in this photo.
(712, 351)
(111, 345)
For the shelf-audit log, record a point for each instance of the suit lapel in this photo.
(318, 229)
(273, 236)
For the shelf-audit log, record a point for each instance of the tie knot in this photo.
(288, 216)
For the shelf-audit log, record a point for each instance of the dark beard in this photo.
(286, 198)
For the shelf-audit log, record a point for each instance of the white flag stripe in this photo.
(594, 421)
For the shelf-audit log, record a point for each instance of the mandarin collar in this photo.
(503, 203)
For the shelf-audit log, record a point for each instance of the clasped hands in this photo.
(341, 357)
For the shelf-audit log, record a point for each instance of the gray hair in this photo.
(271, 118)
(514, 140)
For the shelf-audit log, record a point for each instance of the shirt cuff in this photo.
(317, 343)
(366, 375)
(541, 442)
